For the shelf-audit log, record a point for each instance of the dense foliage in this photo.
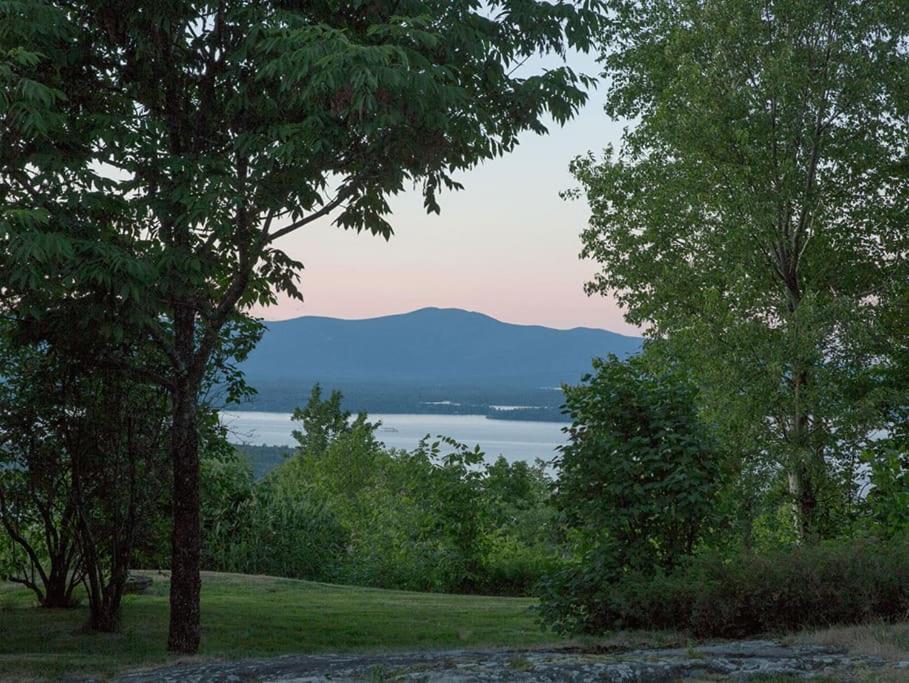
(82, 462)
(847, 582)
(639, 483)
(345, 508)
(749, 472)
(649, 535)
(753, 221)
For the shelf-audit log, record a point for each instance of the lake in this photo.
(516, 440)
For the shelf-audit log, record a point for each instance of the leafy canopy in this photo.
(205, 131)
(159, 150)
(754, 218)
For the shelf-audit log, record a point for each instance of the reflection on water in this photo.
(516, 440)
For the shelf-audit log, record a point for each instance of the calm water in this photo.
(513, 439)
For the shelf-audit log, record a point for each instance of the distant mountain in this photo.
(430, 354)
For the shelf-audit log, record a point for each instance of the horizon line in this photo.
(451, 308)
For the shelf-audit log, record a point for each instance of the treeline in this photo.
(544, 404)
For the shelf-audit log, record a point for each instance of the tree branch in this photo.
(159, 336)
(306, 220)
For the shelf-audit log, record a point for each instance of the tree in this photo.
(324, 421)
(637, 488)
(38, 511)
(754, 218)
(216, 128)
(83, 462)
(640, 471)
(115, 437)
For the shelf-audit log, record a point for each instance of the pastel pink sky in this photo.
(506, 245)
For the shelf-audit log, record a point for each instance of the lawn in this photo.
(249, 616)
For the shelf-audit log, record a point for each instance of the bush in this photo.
(511, 565)
(886, 506)
(639, 485)
(749, 594)
(417, 526)
(639, 475)
(345, 508)
(296, 536)
(263, 528)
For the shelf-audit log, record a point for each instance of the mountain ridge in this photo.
(438, 360)
(429, 345)
(448, 310)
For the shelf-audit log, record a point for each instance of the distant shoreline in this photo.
(542, 414)
(267, 436)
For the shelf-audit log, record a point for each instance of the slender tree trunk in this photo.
(800, 472)
(802, 483)
(796, 479)
(185, 583)
(802, 490)
(796, 493)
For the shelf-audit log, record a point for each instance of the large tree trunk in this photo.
(58, 591)
(185, 583)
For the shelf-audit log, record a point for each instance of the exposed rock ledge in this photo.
(736, 660)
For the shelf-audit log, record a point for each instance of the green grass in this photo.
(256, 616)
(250, 616)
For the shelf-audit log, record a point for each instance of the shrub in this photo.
(511, 565)
(296, 536)
(887, 504)
(418, 525)
(638, 486)
(748, 594)
(639, 475)
(264, 528)
(343, 507)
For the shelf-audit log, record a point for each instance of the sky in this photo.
(506, 245)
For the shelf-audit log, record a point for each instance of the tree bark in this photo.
(58, 591)
(802, 483)
(106, 618)
(796, 493)
(106, 599)
(185, 583)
